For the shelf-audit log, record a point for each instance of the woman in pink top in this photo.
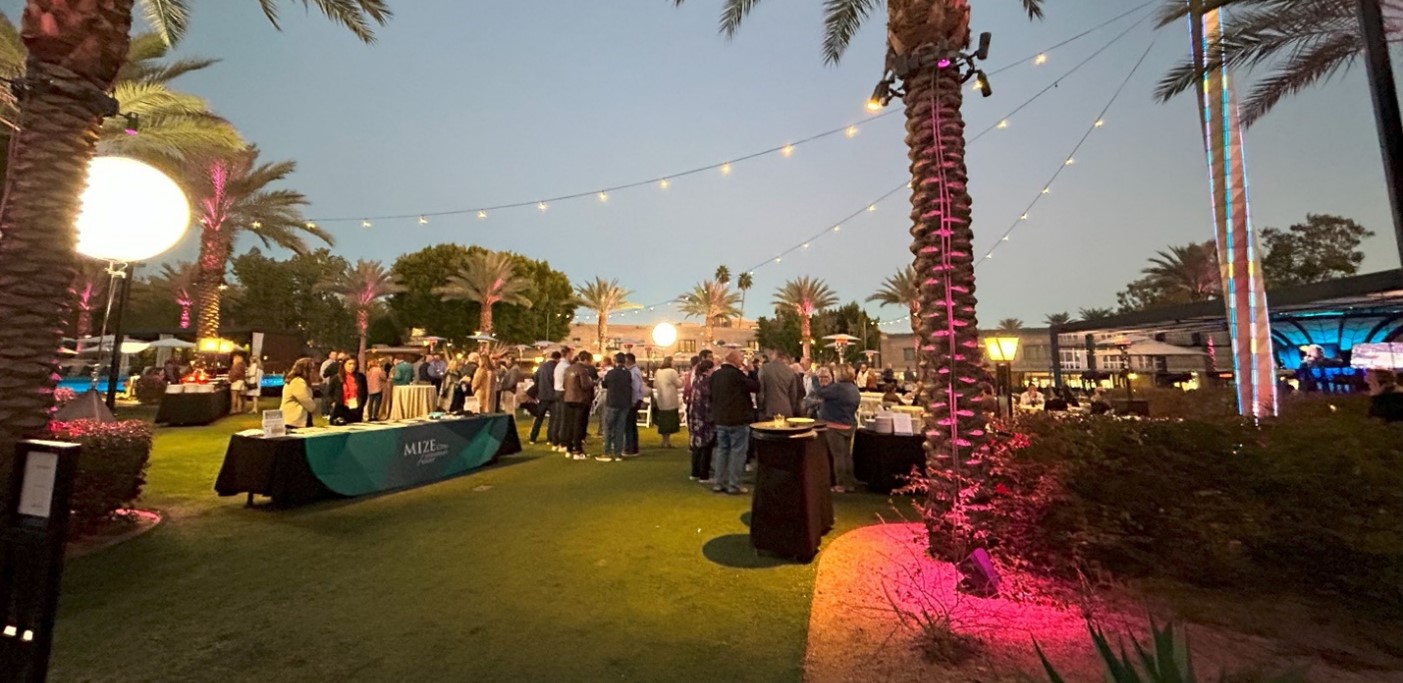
(375, 388)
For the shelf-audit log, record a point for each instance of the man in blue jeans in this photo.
(732, 411)
(618, 403)
(546, 397)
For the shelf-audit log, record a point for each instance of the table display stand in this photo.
(793, 506)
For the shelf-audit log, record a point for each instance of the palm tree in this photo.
(1187, 273)
(723, 275)
(1304, 41)
(90, 287)
(1010, 325)
(924, 39)
(744, 282)
(75, 53)
(180, 280)
(902, 289)
(604, 297)
(805, 296)
(171, 125)
(1095, 313)
(488, 278)
(232, 195)
(1053, 319)
(362, 287)
(713, 302)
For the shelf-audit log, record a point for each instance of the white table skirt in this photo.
(415, 400)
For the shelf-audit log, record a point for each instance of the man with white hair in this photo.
(732, 412)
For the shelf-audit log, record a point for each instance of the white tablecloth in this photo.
(415, 400)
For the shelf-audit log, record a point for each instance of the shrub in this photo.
(111, 468)
(63, 395)
(1313, 499)
(150, 389)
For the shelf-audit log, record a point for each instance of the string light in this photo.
(1003, 124)
(664, 184)
(311, 225)
(1099, 123)
(604, 197)
(726, 168)
(871, 208)
(837, 228)
(788, 150)
(259, 224)
(1040, 59)
(482, 215)
(1071, 158)
(423, 220)
(851, 131)
(542, 206)
(365, 224)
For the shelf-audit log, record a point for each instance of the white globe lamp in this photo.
(130, 211)
(664, 335)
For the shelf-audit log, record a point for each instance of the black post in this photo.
(116, 366)
(33, 533)
(1386, 111)
(1054, 333)
(1004, 377)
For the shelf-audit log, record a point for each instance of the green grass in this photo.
(539, 569)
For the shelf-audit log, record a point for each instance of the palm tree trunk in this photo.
(805, 329)
(362, 326)
(710, 332)
(184, 313)
(485, 320)
(742, 308)
(75, 50)
(947, 333)
(602, 329)
(214, 255)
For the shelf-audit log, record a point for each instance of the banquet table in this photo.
(792, 507)
(191, 408)
(884, 461)
(363, 458)
(413, 400)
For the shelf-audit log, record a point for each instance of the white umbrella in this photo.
(842, 338)
(483, 338)
(171, 343)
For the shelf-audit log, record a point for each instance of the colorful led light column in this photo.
(1239, 262)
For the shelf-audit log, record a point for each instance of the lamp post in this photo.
(1002, 351)
(130, 212)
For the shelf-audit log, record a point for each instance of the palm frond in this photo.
(1034, 8)
(356, 15)
(732, 13)
(805, 295)
(841, 20)
(170, 138)
(12, 52)
(169, 18)
(1302, 70)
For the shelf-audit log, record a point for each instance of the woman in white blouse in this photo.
(667, 386)
(298, 405)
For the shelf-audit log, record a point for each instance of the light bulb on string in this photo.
(1024, 217)
(481, 215)
(423, 220)
(806, 245)
(664, 184)
(1003, 124)
(726, 168)
(257, 224)
(1047, 190)
(603, 197)
(1040, 59)
(1071, 161)
(311, 225)
(786, 150)
(1099, 123)
(365, 224)
(837, 228)
(850, 131)
(541, 206)
(871, 208)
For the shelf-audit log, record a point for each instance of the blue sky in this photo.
(463, 104)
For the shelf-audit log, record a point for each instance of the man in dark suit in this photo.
(732, 411)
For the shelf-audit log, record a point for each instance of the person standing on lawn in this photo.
(578, 388)
(666, 384)
(375, 389)
(347, 392)
(618, 404)
(558, 428)
(237, 384)
(546, 398)
(732, 410)
(700, 429)
(839, 410)
(631, 429)
(778, 387)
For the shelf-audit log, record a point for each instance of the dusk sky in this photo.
(468, 104)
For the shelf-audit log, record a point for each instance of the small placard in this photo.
(273, 424)
(901, 424)
(37, 491)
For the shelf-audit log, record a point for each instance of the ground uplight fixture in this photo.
(130, 211)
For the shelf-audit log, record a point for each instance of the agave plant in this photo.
(1167, 660)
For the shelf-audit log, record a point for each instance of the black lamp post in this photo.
(1386, 110)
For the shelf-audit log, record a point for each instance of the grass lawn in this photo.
(538, 569)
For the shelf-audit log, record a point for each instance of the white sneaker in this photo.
(579, 456)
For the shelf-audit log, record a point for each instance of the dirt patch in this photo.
(872, 581)
(126, 525)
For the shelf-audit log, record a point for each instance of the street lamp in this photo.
(130, 212)
(1002, 351)
(664, 335)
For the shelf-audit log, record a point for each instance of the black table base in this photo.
(884, 461)
(792, 507)
(185, 409)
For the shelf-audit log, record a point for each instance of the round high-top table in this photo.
(413, 400)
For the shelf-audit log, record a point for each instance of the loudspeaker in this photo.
(981, 579)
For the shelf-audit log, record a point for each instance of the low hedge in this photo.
(111, 468)
(1312, 499)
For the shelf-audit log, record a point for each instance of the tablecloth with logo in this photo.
(362, 459)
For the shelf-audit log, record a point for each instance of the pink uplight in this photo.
(944, 64)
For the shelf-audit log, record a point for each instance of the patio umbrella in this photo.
(171, 343)
(483, 338)
(544, 344)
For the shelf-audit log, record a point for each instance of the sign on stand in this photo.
(273, 424)
(33, 530)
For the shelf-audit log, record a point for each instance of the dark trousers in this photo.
(542, 408)
(631, 431)
(372, 406)
(555, 433)
(701, 462)
(573, 425)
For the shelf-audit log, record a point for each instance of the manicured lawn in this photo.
(539, 569)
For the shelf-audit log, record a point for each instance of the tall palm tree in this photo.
(488, 278)
(75, 53)
(361, 288)
(1095, 313)
(172, 125)
(604, 297)
(925, 32)
(902, 289)
(805, 296)
(1057, 319)
(1010, 325)
(1305, 42)
(1187, 273)
(90, 287)
(232, 195)
(744, 282)
(723, 275)
(713, 302)
(179, 280)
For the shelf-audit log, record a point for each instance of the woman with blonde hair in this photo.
(485, 387)
(298, 405)
(839, 410)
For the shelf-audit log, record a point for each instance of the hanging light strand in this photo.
(785, 150)
(1066, 162)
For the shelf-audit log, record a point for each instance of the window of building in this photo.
(1073, 359)
(687, 346)
(908, 354)
(1037, 353)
